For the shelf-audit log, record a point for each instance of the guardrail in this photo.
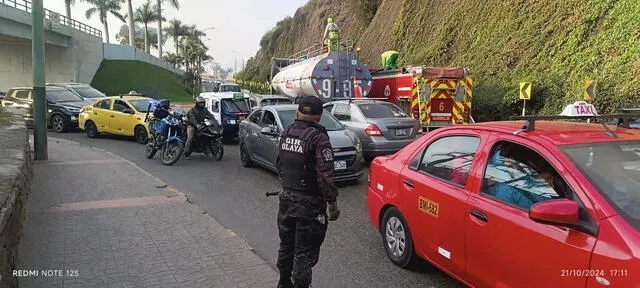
(54, 17)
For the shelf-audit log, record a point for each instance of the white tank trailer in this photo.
(328, 76)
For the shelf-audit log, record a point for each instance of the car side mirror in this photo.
(555, 212)
(127, 111)
(271, 130)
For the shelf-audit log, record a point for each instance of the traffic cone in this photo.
(357, 89)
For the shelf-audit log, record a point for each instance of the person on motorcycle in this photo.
(196, 117)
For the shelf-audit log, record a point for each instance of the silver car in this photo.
(259, 137)
(382, 127)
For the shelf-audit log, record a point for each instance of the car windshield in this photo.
(614, 169)
(62, 95)
(142, 105)
(329, 122)
(88, 92)
(267, 102)
(381, 110)
(229, 88)
(235, 105)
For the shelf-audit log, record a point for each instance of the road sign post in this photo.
(589, 93)
(525, 94)
(39, 92)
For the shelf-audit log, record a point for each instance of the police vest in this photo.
(296, 166)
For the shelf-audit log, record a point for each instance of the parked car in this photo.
(260, 135)
(119, 115)
(555, 204)
(83, 90)
(63, 106)
(382, 127)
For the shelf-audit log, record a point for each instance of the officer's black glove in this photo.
(333, 212)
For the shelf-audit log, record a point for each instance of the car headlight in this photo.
(358, 144)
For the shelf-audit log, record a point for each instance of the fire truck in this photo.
(437, 97)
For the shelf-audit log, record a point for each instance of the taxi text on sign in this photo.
(589, 90)
(525, 90)
(580, 108)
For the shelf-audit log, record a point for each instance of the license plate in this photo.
(340, 165)
(242, 118)
(401, 132)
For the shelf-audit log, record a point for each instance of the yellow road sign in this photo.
(589, 90)
(525, 90)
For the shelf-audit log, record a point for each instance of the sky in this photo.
(239, 24)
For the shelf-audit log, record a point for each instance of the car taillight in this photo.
(373, 130)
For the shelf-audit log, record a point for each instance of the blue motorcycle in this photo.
(166, 138)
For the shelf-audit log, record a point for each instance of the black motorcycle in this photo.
(208, 140)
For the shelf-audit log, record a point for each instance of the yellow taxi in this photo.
(119, 115)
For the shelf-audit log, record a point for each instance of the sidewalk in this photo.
(107, 223)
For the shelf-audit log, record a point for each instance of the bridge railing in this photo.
(54, 17)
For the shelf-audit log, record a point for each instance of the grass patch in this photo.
(116, 77)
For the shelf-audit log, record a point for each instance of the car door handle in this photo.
(113, 116)
(408, 183)
(479, 215)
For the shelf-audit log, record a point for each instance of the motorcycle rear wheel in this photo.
(150, 151)
(171, 152)
(216, 149)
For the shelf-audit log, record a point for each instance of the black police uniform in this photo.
(306, 172)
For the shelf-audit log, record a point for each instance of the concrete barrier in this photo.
(15, 186)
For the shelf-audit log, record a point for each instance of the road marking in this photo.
(232, 233)
(117, 203)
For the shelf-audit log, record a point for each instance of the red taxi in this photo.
(550, 204)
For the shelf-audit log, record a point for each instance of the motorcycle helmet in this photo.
(164, 103)
(200, 102)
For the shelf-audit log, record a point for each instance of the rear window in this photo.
(88, 92)
(614, 169)
(62, 95)
(144, 106)
(381, 110)
(267, 102)
(235, 106)
(327, 121)
(229, 88)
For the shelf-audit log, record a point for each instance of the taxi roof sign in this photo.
(579, 109)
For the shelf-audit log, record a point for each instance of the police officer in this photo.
(306, 171)
(196, 116)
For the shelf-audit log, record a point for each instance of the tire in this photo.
(141, 135)
(150, 149)
(59, 124)
(171, 152)
(245, 157)
(91, 130)
(396, 238)
(216, 149)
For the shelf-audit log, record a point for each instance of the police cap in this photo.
(310, 105)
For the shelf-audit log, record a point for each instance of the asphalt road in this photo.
(352, 254)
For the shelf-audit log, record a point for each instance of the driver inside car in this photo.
(196, 116)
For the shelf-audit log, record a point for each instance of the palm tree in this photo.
(103, 8)
(175, 30)
(146, 14)
(173, 59)
(68, 4)
(173, 3)
(130, 16)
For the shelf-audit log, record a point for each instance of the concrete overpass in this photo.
(73, 50)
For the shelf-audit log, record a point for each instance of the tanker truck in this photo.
(329, 76)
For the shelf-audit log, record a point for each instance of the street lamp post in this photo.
(39, 91)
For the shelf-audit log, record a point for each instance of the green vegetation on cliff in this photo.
(556, 44)
(116, 77)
